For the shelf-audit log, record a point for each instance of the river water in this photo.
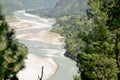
(66, 67)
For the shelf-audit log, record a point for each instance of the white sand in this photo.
(39, 18)
(21, 24)
(34, 63)
(25, 25)
(35, 16)
(44, 36)
(33, 67)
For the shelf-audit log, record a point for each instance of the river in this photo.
(66, 67)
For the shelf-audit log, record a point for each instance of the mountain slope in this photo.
(36, 4)
(10, 6)
(63, 8)
(66, 7)
(51, 8)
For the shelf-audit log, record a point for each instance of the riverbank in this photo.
(21, 24)
(34, 63)
(33, 68)
(66, 68)
(44, 36)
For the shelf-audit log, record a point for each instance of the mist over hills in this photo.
(51, 8)
(10, 6)
(36, 4)
(63, 8)
(67, 7)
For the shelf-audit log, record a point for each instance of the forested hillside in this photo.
(70, 27)
(64, 7)
(12, 53)
(92, 35)
(94, 41)
(68, 7)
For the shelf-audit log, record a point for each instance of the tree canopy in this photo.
(94, 40)
(12, 53)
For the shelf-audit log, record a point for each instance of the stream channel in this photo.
(66, 67)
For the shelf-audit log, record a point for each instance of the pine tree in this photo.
(97, 60)
(12, 53)
(113, 22)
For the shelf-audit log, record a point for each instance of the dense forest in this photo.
(94, 40)
(12, 53)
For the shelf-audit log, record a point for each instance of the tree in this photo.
(12, 53)
(111, 10)
(96, 59)
(99, 53)
(76, 78)
(113, 22)
(97, 67)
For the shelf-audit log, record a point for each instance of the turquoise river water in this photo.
(66, 67)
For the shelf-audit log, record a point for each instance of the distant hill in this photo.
(10, 6)
(36, 4)
(66, 7)
(51, 8)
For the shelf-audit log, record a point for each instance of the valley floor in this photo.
(34, 63)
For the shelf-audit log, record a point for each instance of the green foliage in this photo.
(76, 78)
(97, 67)
(93, 41)
(113, 22)
(99, 42)
(70, 27)
(97, 59)
(12, 53)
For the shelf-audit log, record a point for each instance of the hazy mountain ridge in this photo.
(63, 8)
(36, 4)
(51, 8)
(10, 6)
(66, 7)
